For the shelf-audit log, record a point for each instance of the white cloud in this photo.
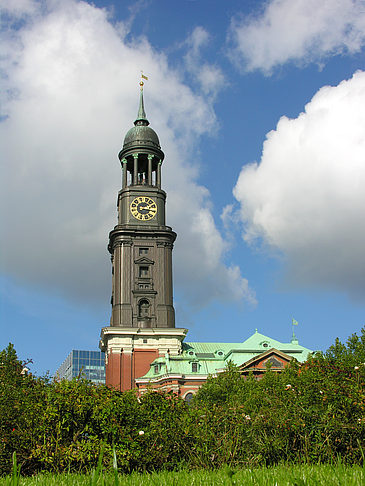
(302, 31)
(19, 8)
(72, 93)
(306, 197)
(209, 76)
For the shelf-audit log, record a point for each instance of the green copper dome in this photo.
(141, 135)
(141, 138)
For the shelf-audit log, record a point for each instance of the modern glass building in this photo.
(87, 364)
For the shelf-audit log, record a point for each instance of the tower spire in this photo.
(141, 117)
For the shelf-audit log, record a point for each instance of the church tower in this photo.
(142, 325)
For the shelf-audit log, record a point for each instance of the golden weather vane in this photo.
(141, 83)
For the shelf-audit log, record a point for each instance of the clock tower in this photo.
(142, 325)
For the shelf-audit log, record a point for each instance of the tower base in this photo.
(129, 351)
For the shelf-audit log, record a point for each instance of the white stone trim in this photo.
(116, 339)
(160, 378)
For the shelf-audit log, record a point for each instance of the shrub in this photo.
(313, 413)
(21, 399)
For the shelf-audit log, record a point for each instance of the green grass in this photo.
(283, 475)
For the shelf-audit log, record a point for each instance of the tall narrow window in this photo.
(143, 308)
(143, 272)
(194, 367)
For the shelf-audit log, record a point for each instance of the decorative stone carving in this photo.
(122, 243)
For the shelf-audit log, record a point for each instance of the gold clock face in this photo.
(143, 208)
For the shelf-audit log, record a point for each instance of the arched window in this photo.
(143, 308)
(188, 397)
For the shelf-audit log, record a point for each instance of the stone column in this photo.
(165, 309)
(149, 177)
(122, 306)
(116, 285)
(126, 284)
(168, 273)
(113, 287)
(160, 271)
(124, 166)
(158, 175)
(135, 169)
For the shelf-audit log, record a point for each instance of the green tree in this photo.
(21, 397)
(350, 354)
(222, 388)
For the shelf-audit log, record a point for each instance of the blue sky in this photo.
(259, 110)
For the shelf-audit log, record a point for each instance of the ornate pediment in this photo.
(273, 357)
(144, 260)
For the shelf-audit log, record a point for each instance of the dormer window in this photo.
(264, 344)
(194, 367)
(156, 368)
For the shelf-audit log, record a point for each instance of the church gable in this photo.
(277, 360)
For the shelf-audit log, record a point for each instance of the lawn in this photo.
(283, 475)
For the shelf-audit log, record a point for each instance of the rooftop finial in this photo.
(141, 117)
(141, 83)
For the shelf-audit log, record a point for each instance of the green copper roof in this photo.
(212, 357)
(141, 136)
